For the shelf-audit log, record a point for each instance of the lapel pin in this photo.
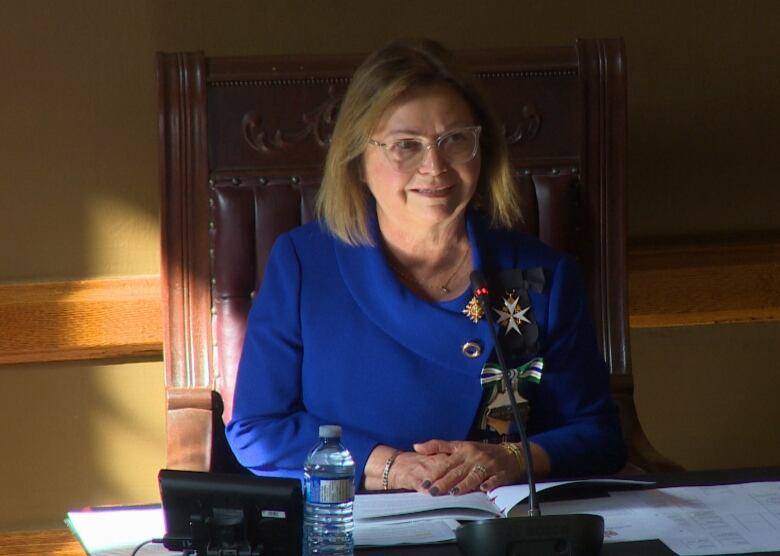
(473, 310)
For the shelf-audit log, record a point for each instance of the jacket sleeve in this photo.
(573, 416)
(271, 430)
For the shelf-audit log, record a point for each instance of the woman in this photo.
(366, 319)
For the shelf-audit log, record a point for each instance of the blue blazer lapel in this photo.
(433, 331)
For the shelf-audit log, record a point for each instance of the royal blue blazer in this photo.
(333, 337)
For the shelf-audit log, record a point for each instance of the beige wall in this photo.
(79, 186)
(77, 435)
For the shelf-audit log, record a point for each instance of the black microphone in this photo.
(480, 288)
(556, 535)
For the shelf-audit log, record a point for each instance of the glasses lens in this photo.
(405, 154)
(459, 145)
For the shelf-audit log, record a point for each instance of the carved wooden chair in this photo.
(242, 146)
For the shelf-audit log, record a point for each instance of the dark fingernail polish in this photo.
(426, 483)
(434, 491)
(454, 491)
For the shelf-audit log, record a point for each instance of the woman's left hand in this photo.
(472, 466)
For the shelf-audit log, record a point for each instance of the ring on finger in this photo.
(480, 470)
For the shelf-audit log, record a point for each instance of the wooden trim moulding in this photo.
(706, 282)
(58, 542)
(80, 320)
(671, 285)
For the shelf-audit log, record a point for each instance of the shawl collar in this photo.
(434, 331)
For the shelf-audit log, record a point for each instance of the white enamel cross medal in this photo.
(512, 314)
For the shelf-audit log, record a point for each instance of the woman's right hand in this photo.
(408, 471)
(413, 471)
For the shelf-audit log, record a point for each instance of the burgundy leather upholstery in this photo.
(247, 218)
(242, 146)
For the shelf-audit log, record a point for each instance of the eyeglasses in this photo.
(456, 147)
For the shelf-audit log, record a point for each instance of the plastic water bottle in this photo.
(329, 494)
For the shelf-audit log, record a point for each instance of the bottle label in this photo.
(331, 491)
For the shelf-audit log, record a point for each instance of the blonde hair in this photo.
(379, 81)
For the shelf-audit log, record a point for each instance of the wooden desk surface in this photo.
(55, 542)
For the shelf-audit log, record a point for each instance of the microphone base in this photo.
(556, 535)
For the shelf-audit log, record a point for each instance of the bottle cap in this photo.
(330, 431)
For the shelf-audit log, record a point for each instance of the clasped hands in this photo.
(454, 467)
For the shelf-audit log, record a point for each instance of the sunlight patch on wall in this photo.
(122, 239)
(129, 428)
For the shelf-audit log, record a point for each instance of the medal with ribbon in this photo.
(495, 411)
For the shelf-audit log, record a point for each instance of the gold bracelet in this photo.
(515, 450)
(386, 471)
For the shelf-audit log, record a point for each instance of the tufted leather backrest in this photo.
(243, 142)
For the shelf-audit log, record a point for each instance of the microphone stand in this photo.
(557, 535)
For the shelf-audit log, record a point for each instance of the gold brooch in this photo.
(473, 310)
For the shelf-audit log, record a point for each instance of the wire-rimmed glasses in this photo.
(456, 147)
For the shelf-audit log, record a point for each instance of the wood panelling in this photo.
(90, 319)
(672, 285)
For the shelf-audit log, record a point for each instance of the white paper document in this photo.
(414, 518)
(407, 506)
(117, 531)
(723, 519)
(410, 532)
